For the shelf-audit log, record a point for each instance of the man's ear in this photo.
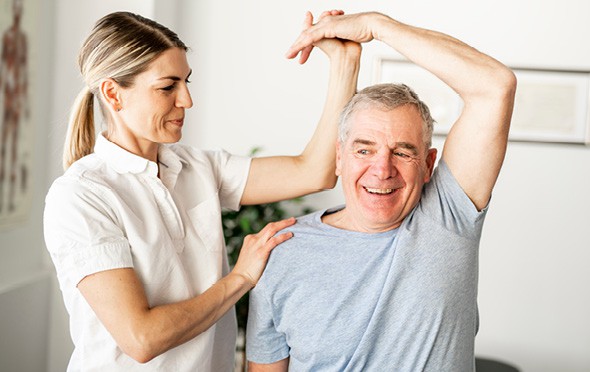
(430, 160)
(110, 92)
(338, 158)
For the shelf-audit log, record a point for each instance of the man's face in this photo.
(383, 166)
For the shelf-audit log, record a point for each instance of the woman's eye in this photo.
(168, 88)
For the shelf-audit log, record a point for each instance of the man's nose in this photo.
(383, 166)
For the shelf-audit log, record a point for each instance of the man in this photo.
(389, 281)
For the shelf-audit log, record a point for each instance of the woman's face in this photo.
(152, 110)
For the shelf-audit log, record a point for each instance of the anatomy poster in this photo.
(16, 116)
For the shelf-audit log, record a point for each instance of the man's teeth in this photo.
(379, 191)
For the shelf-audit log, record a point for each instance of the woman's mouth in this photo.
(177, 122)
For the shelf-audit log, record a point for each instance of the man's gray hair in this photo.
(385, 97)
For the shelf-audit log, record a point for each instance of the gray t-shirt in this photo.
(401, 300)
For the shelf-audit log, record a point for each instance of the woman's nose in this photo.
(184, 98)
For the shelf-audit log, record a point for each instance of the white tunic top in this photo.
(110, 210)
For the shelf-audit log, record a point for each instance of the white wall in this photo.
(533, 294)
(24, 279)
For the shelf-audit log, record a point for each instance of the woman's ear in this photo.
(110, 93)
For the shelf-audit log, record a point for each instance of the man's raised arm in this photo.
(475, 147)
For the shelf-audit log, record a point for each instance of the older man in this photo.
(389, 281)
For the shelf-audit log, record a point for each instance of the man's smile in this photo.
(378, 191)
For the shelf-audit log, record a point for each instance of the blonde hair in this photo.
(120, 46)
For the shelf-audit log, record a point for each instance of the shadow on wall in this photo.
(489, 365)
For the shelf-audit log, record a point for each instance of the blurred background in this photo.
(534, 296)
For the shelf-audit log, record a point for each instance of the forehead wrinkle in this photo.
(404, 145)
(408, 146)
(361, 141)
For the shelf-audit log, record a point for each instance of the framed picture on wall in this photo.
(17, 86)
(550, 105)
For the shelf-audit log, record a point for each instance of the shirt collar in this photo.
(121, 160)
(169, 159)
(171, 165)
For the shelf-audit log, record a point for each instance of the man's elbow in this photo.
(504, 83)
(499, 86)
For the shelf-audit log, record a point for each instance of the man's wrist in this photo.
(381, 25)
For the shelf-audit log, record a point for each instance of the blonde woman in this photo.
(134, 224)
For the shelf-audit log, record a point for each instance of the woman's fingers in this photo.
(276, 240)
(305, 52)
(257, 247)
(271, 229)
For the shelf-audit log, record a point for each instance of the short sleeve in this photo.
(231, 172)
(264, 344)
(81, 233)
(444, 197)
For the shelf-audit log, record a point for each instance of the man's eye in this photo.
(403, 156)
(363, 152)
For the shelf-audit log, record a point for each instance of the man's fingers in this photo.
(333, 12)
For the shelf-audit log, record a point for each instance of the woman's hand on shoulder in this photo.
(257, 247)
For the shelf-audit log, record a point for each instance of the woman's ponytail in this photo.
(80, 136)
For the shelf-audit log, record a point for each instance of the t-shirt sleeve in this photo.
(264, 344)
(231, 172)
(80, 231)
(444, 197)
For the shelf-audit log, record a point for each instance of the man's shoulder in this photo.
(307, 222)
(307, 230)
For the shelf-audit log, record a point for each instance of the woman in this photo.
(134, 224)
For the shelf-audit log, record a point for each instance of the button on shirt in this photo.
(111, 210)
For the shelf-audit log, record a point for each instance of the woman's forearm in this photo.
(284, 177)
